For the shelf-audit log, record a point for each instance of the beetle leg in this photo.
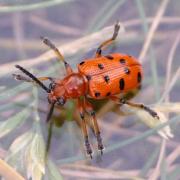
(91, 127)
(136, 105)
(46, 78)
(141, 106)
(58, 54)
(84, 128)
(91, 112)
(109, 41)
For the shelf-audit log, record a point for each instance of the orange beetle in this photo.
(110, 75)
(99, 77)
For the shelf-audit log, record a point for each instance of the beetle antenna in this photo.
(48, 143)
(33, 78)
(50, 111)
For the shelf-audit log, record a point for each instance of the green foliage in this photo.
(27, 151)
(11, 123)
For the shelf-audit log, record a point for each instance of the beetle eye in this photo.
(61, 101)
(52, 86)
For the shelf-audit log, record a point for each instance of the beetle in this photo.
(104, 76)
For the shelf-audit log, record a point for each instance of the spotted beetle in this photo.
(98, 78)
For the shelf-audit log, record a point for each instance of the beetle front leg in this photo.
(136, 105)
(89, 109)
(97, 132)
(58, 54)
(84, 128)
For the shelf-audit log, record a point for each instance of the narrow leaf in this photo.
(21, 142)
(10, 124)
(36, 155)
(54, 173)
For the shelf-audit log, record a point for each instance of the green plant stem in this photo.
(43, 4)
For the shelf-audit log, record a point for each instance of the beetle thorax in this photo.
(72, 86)
(75, 85)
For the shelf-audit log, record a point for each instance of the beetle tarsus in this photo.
(151, 112)
(88, 147)
(48, 43)
(100, 144)
(116, 30)
(141, 106)
(109, 41)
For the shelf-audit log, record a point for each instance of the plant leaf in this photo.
(10, 124)
(35, 155)
(19, 6)
(13, 91)
(20, 143)
(54, 173)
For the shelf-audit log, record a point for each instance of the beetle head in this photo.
(57, 94)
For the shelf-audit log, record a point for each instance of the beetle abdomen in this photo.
(111, 75)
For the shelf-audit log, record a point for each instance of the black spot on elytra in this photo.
(108, 94)
(122, 61)
(97, 94)
(139, 77)
(100, 66)
(106, 78)
(81, 63)
(109, 57)
(126, 70)
(88, 77)
(121, 84)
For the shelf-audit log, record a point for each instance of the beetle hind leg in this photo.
(97, 132)
(143, 107)
(91, 112)
(109, 41)
(136, 105)
(84, 128)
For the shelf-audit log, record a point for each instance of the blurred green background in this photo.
(132, 150)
